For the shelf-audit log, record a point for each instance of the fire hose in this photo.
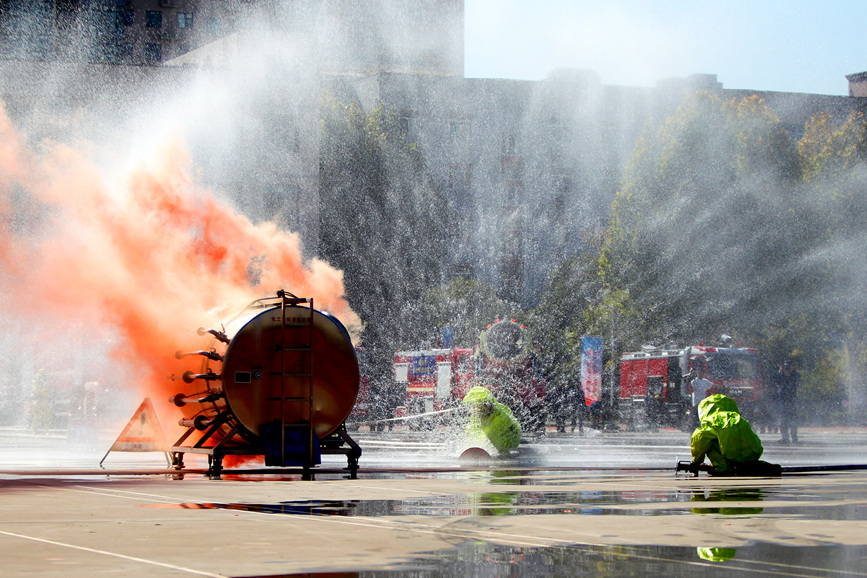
(695, 468)
(411, 417)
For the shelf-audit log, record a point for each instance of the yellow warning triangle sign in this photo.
(143, 433)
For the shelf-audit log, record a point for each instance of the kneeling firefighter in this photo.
(728, 440)
(491, 426)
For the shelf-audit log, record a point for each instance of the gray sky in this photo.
(790, 46)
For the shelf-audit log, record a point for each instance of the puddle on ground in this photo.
(723, 501)
(842, 498)
(834, 502)
(483, 559)
(481, 504)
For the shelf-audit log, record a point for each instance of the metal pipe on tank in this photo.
(183, 399)
(212, 355)
(191, 376)
(219, 335)
(200, 422)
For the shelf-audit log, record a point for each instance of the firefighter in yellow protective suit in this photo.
(728, 440)
(491, 425)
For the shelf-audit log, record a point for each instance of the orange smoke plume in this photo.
(145, 255)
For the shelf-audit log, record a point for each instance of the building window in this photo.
(406, 124)
(154, 19)
(127, 17)
(124, 52)
(509, 144)
(512, 168)
(558, 208)
(457, 128)
(153, 53)
(460, 178)
(514, 191)
(564, 184)
(185, 20)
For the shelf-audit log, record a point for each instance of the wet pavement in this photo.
(597, 504)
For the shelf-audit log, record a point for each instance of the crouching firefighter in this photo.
(491, 426)
(728, 441)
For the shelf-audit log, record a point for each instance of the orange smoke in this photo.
(145, 255)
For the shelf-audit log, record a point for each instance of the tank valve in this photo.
(183, 399)
(200, 422)
(218, 334)
(212, 355)
(190, 376)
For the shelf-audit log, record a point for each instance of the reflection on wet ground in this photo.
(484, 560)
(767, 504)
(491, 504)
(829, 504)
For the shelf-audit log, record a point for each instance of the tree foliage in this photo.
(705, 230)
(382, 221)
(724, 224)
(826, 150)
(571, 290)
(467, 306)
(835, 161)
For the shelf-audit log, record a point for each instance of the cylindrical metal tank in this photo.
(272, 364)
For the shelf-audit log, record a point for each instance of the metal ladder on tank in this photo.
(302, 349)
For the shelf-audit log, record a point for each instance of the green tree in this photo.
(706, 230)
(382, 222)
(827, 150)
(571, 290)
(833, 156)
(723, 224)
(467, 306)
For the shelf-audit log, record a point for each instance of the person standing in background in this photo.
(698, 387)
(786, 382)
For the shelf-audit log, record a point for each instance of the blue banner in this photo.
(591, 368)
(448, 337)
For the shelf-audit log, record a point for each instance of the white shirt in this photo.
(699, 390)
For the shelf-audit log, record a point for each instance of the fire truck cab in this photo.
(653, 390)
(734, 371)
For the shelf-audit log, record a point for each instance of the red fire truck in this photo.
(435, 380)
(652, 389)
(504, 360)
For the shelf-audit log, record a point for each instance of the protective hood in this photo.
(716, 403)
(478, 395)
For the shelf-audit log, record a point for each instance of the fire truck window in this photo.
(730, 367)
(463, 364)
(401, 372)
(673, 381)
(654, 386)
